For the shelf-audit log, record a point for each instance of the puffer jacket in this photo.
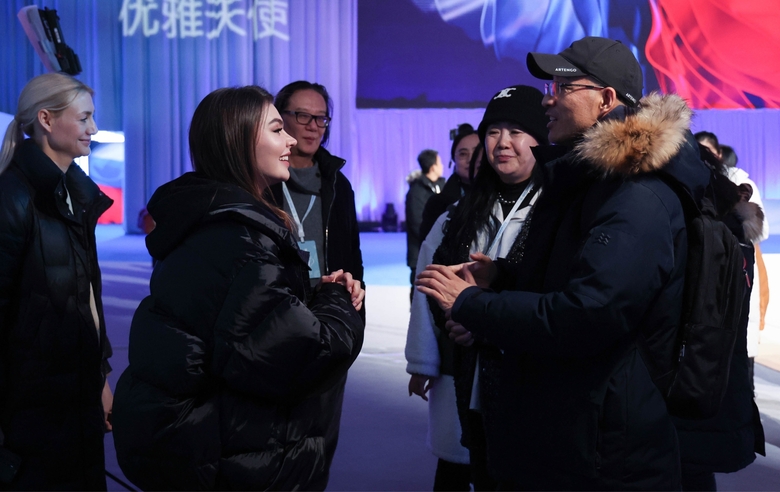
(571, 403)
(230, 361)
(53, 359)
(341, 249)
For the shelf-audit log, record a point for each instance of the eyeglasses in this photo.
(553, 89)
(305, 118)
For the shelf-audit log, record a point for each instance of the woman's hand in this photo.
(108, 405)
(353, 286)
(419, 385)
(331, 279)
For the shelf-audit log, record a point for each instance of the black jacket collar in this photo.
(329, 163)
(43, 174)
(50, 183)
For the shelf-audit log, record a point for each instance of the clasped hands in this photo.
(445, 283)
(353, 286)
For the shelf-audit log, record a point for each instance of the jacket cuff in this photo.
(503, 278)
(461, 307)
(430, 370)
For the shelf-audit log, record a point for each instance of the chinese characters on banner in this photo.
(197, 18)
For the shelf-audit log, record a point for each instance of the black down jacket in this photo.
(230, 363)
(53, 357)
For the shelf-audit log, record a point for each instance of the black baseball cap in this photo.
(606, 60)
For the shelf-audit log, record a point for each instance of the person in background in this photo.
(55, 402)
(231, 352)
(487, 219)
(758, 303)
(729, 441)
(423, 184)
(464, 144)
(710, 141)
(601, 270)
(320, 201)
(318, 197)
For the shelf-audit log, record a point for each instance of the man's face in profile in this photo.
(572, 105)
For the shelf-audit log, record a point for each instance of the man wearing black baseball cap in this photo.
(597, 295)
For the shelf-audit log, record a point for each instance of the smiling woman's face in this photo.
(68, 133)
(272, 148)
(508, 150)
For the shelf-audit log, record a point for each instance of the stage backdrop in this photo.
(151, 61)
(414, 55)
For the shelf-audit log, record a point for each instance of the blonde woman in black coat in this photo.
(232, 355)
(54, 398)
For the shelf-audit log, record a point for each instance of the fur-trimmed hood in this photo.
(651, 139)
(752, 219)
(656, 137)
(644, 141)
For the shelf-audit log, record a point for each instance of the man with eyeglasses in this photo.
(318, 197)
(597, 295)
(321, 203)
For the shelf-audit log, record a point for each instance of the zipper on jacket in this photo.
(327, 226)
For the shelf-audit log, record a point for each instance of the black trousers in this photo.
(480, 476)
(452, 476)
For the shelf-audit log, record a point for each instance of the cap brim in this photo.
(545, 66)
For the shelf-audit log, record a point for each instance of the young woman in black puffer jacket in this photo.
(232, 356)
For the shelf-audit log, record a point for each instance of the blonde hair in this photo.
(50, 91)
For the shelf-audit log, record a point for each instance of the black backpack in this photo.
(715, 285)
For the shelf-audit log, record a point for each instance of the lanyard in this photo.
(294, 213)
(493, 249)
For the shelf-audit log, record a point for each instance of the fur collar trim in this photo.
(641, 143)
(752, 218)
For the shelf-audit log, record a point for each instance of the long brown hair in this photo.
(223, 133)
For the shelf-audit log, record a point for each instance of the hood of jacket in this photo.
(182, 205)
(656, 137)
(751, 218)
(418, 177)
(414, 176)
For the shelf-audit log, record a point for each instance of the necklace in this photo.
(506, 201)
